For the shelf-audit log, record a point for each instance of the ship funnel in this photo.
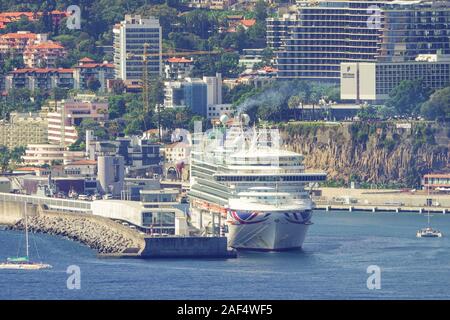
(224, 119)
(245, 119)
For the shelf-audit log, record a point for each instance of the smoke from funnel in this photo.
(273, 96)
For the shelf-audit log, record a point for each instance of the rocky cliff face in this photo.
(381, 153)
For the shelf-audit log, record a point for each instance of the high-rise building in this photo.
(330, 32)
(279, 28)
(130, 37)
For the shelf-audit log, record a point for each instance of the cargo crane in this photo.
(145, 78)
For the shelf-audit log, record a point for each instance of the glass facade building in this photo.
(328, 33)
(195, 97)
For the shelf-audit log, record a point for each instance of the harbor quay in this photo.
(387, 200)
(111, 236)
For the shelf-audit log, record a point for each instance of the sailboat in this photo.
(428, 232)
(24, 263)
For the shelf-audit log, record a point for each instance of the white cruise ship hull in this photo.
(276, 232)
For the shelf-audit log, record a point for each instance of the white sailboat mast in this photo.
(26, 232)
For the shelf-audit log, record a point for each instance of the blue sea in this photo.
(339, 248)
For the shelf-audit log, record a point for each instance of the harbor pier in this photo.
(75, 220)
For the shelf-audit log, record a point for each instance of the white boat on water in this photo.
(428, 232)
(24, 263)
(243, 182)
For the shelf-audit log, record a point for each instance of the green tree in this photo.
(438, 106)
(93, 84)
(407, 97)
(5, 157)
(261, 10)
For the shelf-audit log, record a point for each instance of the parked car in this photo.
(84, 197)
(96, 197)
(108, 196)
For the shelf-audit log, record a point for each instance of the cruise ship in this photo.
(243, 182)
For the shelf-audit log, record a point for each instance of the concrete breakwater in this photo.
(103, 235)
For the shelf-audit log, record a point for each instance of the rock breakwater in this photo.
(99, 235)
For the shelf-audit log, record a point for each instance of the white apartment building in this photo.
(178, 68)
(215, 111)
(40, 154)
(213, 89)
(130, 36)
(23, 129)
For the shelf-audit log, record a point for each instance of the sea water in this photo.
(333, 264)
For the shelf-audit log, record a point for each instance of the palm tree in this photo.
(293, 104)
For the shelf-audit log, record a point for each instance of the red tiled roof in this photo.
(58, 12)
(42, 70)
(29, 169)
(95, 65)
(83, 162)
(46, 45)
(27, 35)
(269, 69)
(86, 59)
(178, 60)
(248, 22)
(16, 14)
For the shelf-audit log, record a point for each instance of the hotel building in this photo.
(130, 36)
(373, 81)
(330, 32)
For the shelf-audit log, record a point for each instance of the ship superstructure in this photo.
(241, 178)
